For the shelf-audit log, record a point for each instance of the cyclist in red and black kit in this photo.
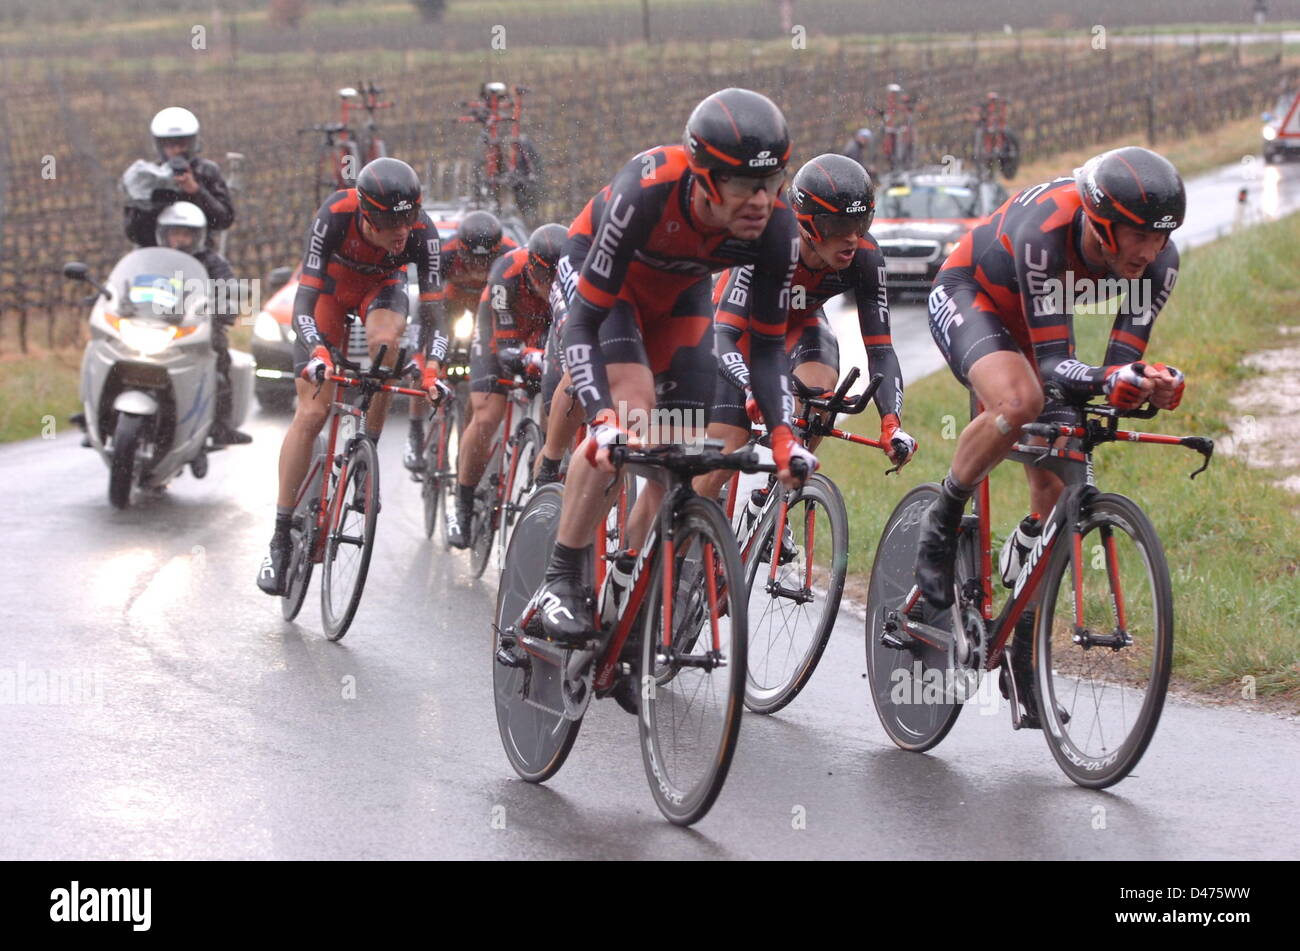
(358, 247)
(834, 202)
(465, 262)
(999, 315)
(509, 334)
(639, 332)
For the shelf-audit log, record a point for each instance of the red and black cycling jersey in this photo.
(1026, 265)
(340, 263)
(461, 282)
(810, 289)
(519, 317)
(638, 237)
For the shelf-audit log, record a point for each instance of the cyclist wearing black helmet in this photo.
(465, 262)
(639, 334)
(509, 334)
(834, 202)
(358, 247)
(1000, 313)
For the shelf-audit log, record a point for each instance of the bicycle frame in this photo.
(1075, 468)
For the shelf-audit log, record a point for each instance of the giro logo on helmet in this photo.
(764, 159)
(856, 208)
(402, 205)
(1166, 223)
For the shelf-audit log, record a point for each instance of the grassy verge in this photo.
(1232, 538)
(1191, 156)
(38, 391)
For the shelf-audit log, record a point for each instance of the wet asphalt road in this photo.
(210, 728)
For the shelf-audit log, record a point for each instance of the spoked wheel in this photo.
(915, 689)
(1104, 681)
(792, 606)
(527, 445)
(536, 734)
(303, 534)
(351, 539)
(121, 471)
(439, 471)
(689, 725)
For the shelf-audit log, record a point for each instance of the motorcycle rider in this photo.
(183, 227)
(175, 134)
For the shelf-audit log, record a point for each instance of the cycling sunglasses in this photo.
(742, 186)
(392, 220)
(825, 227)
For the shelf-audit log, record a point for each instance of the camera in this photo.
(178, 165)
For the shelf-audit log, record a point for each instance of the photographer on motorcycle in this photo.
(196, 180)
(183, 227)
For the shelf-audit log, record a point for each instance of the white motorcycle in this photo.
(149, 376)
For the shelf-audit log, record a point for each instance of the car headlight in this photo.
(266, 327)
(949, 247)
(464, 328)
(146, 339)
(1270, 133)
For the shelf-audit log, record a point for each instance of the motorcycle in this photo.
(149, 375)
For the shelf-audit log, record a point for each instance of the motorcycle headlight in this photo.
(1270, 133)
(266, 327)
(146, 339)
(464, 328)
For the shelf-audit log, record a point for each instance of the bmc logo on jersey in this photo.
(1165, 224)
(764, 159)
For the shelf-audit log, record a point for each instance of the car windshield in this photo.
(928, 201)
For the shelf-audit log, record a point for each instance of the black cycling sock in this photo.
(465, 495)
(282, 522)
(417, 426)
(953, 494)
(568, 562)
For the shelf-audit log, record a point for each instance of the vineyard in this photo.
(65, 137)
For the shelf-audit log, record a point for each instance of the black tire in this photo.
(686, 766)
(805, 628)
(483, 524)
(527, 446)
(911, 725)
(1134, 678)
(343, 583)
(439, 471)
(121, 470)
(303, 533)
(536, 741)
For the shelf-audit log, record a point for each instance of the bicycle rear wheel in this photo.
(302, 533)
(910, 686)
(792, 614)
(1104, 682)
(530, 716)
(689, 725)
(351, 539)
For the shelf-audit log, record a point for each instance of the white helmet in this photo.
(182, 217)
(175, 123)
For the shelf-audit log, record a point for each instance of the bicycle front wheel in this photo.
(689, 724)
(351, 539)
(523, 453)
(794, 597)
(439, 471)
(1101, 679)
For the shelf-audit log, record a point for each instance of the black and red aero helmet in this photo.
(388, 193)
(545, 245)
(829, 187)
(736, 132)
(480, 233)
(1132, 186)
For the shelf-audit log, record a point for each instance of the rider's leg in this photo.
(383, 328)
(476, 442)
(982, 354)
